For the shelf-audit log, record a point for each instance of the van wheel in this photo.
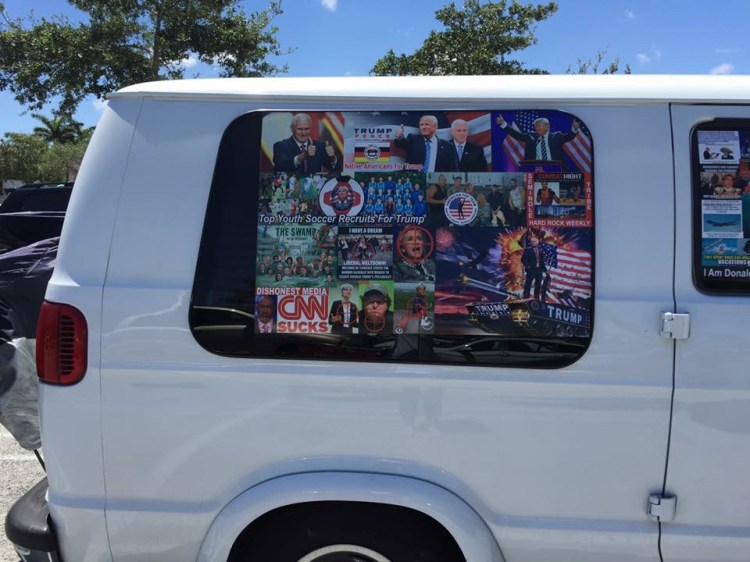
(345, 532)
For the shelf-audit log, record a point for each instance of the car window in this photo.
(403, 236)
(54, 199)
(721, 206)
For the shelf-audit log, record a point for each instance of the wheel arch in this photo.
(463, 523)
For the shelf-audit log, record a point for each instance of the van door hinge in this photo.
(675, 326)
(661, 508)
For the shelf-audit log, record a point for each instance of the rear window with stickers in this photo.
(436, 236)
(721, 206)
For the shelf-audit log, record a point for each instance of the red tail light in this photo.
(61, 344)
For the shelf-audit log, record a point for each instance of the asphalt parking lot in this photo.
(19, 471)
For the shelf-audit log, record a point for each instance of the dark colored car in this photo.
(35, 197)
(31, 213)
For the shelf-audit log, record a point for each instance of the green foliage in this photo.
(61, 161)
(20, 156)
(30, 157)
(63, 129)
(129, 41)
(594, 66)
(479, 38)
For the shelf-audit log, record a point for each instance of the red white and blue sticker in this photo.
(461, 208)
(341, 196)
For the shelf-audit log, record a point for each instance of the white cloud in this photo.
(98, 104)
(724, 68)
(629, 15)
(646, 58)
(732, 51)
(190, 61)
(216, 65)
(329, 4)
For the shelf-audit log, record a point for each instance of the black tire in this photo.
(345, 532)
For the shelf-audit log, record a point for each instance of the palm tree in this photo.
(61, 129)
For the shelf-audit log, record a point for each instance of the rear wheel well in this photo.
(289, 533)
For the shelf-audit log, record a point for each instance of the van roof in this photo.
(450, 89)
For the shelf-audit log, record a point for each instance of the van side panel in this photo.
(555, 460)
(149, 282)
(71, 416)
(710, 443)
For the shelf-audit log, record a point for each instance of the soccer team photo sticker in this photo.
(341, 196)
(461, 208)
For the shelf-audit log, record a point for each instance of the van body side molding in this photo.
(675, 326)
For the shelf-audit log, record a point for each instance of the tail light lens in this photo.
(61, 344)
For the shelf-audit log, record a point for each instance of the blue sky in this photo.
(346, 37)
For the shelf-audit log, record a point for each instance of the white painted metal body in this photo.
(710, 448)
(164, 449)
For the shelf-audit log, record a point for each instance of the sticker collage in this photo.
(724, 163)
(430, 223)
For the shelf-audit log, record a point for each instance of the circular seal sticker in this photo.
(372, 152)
(461, 208)
(341, 196)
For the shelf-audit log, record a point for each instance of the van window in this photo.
(721, 206)
(438, 236)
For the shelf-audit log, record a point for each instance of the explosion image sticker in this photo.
(513, 281)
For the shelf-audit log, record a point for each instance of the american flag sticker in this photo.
(579, 149)
(461, 208)
(570, 272)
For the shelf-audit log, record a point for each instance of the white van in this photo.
(403, 319)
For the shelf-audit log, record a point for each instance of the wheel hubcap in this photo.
(343, 553)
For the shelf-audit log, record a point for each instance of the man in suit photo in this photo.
(265, 315)
(470, 156)
(541, 144)
(301, 153)
(535, 268)
(426, 149)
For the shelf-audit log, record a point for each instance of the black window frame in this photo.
(710, 286)
(237, 165)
